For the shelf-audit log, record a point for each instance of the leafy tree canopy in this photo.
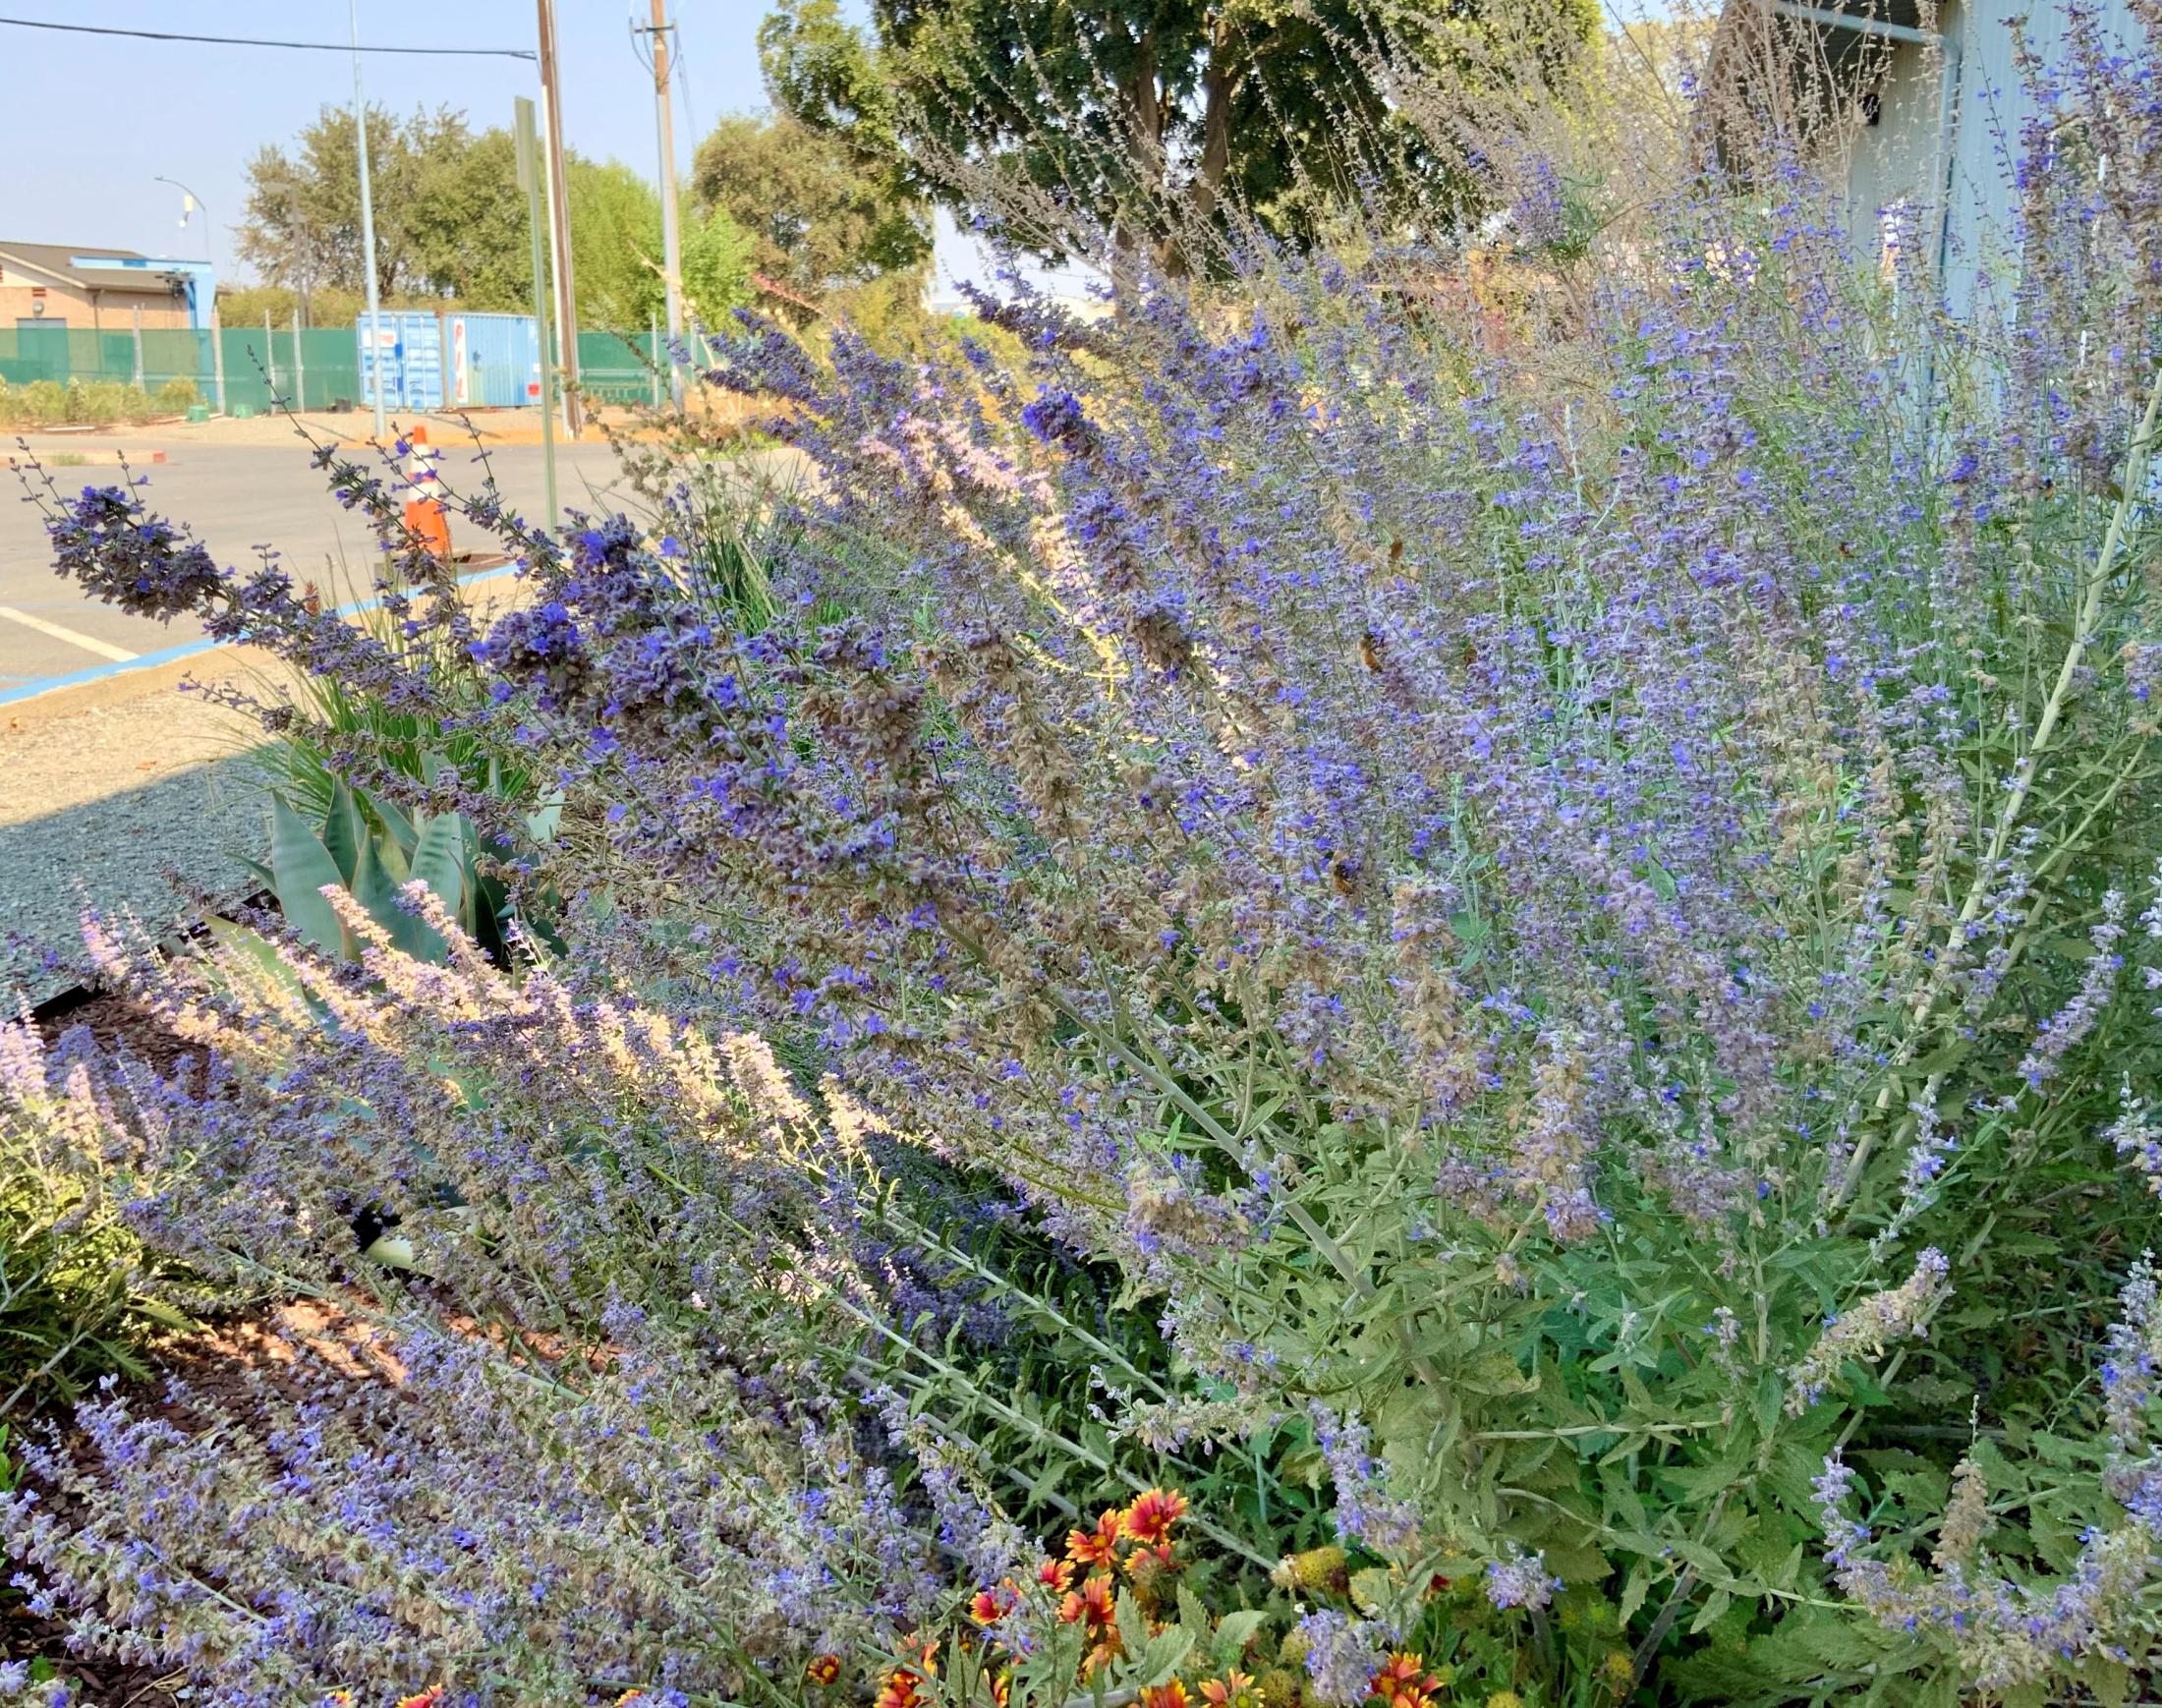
(1142, 114)
(820, 216)
(450, 224)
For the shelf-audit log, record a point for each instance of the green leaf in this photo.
(439, 860)
(1133, 1625)
(395, 822)
(1370, 1589)
(1235, 1631)
(2110, 1681)
(303, 868)
(1719, 1601)
(343, 833)
(542, 821)
(378, 892)
(1160, 1657)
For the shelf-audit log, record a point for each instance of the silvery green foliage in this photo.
(587, 1438)
(1563, 899)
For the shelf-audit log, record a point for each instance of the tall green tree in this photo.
(451, 223)
(1149, 115)
(818, 214)
(302, 224)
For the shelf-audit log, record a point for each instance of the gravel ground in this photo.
(97, 805)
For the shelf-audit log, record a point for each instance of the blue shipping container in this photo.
(493, 360)
(408, 350)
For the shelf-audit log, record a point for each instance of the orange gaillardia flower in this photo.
(1172, 1695)
(1055, 1575)
(1096, 1548)
(1403, 1682)
(1150, 1518)
(1222, 1692)
(902, 1686)
(824, 1669)
(427, 1698)
(993, 1604)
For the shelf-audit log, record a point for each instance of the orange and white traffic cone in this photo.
(426, 516)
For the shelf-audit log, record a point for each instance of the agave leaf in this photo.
(439, 860)
(377, 890)
(343, 833)
(403, 835)
(257, 948)
(542, 821)
(303, 866)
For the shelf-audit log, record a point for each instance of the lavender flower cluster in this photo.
(1521, 891)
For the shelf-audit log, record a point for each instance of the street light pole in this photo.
(190, 204)
(368, 226)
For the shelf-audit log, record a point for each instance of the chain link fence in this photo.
(251, 369)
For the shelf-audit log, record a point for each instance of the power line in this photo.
(260, 41)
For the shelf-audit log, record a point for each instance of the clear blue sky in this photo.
(94, 119)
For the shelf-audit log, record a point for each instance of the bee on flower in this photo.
(824, 1669)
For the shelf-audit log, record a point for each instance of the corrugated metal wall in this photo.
(493, 360)
(405, 348)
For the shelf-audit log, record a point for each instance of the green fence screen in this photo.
(316, 370)
(619, 367)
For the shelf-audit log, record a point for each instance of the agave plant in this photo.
(372, 847)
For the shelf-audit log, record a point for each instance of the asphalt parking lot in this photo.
(236, 498)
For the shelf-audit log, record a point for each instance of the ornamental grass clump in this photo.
(1573, 914)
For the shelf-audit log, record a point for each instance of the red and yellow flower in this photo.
(1150, 1518)
(902, 1687)
(1055, 1575)
(1099, 1546)
(1091, 1603)
(1403, 1682)
(427, 1698)
(1230, 1689)
(990, 1606)
(1172, 1695)
(824, 1669)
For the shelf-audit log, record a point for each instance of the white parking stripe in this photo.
(74, 636)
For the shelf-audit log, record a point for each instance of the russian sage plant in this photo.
(1575, 917)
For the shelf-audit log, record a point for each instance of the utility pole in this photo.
(368, 227)
(559, 224)
(672, 242)
(529, 180)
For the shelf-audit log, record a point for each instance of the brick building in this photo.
(100, 290)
